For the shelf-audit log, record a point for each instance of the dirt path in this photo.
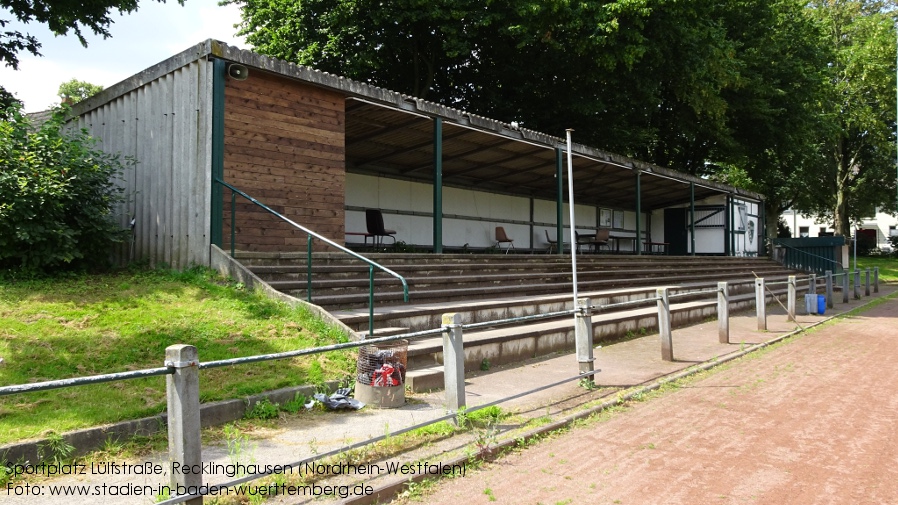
(814, 421)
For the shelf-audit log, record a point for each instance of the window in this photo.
(804, 231)
(605, 218)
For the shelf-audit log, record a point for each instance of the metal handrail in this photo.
(838, 266)
(371, 264)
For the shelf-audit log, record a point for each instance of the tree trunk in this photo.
(771, 226)
(841, 223)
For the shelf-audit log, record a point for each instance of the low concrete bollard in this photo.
(857, 284)
(845, 286)
(182, 391)
(583, 337)
(867, 282)
(876, 279)
(723, 313)
(790, 303)
(829, 289)
(664, 324)
(453, 362)
(761, 304)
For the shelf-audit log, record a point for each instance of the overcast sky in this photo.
(153, 33)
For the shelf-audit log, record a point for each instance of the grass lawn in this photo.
(94, 324)
(888, 266)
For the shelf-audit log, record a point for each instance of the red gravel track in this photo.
(814, 421)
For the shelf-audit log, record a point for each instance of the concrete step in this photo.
(460, 289)
(483, 288)
(419, 317)
(443, 273)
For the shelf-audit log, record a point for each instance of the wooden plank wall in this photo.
(284, 146)
(165, 125)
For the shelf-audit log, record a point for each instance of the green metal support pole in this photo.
(733, 225)
(726, 226)
(762, 230)
(370, 300)
(438, 185)
(559, 201)
(309, 270)
(217, 205)
(638, 212)
(233, 220)
(691, 216)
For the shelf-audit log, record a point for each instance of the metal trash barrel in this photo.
(380, 375)
(810, 304)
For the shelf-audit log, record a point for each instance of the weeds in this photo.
(587, 383)
(486, 440)
(296, 405)
(263, 409)
(240, 449)
(55, 449)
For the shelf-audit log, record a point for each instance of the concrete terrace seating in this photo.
(492, 287)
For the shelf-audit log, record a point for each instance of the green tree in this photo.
(857, 172)
(61, 16)
(734, 90)
(73, 91)
(449, 51)
(57, 193)
(773, 112)
(7, 100)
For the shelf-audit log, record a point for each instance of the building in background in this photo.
(878, 227)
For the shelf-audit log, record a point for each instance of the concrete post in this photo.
(761, 304)
(790, 302)
(583, 337)
(867, 282)
(453, 362)
(664, 324)
(723, 313)
(812, 285)
(876, 279)
(829, 289)
(184, 441)
(845, 275)
(857, 284)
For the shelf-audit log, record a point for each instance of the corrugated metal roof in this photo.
(391, 134)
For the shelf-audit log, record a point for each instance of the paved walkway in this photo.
(634, 362)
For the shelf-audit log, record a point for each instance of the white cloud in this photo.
(150, 35)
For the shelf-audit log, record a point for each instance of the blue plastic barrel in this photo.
(821, 304)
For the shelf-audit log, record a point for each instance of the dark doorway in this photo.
(675, 231)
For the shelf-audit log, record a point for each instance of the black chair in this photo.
(553, 244)
(502, 238)
(603, 236)
(375, 222)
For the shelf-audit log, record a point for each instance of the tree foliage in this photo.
(857, 171)
(57, 192)
(7, 100)
(60, 16)
(73, 91)
(776, 95)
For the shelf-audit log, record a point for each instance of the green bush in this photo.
(57, 193)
